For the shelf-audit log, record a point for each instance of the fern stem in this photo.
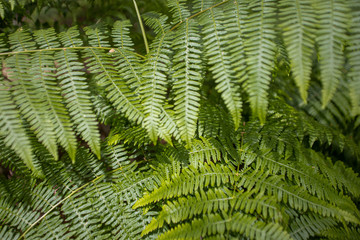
(63, 200)
(196, 14)
(141, 27)
(63, 48)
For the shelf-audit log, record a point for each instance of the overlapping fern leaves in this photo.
(181, 160)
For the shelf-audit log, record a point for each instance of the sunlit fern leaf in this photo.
(333, 24)
(298, 23)
(187, 73)
(354, 58)
(179, 10)
(235, 17)
(154, 75)
(217, 52)
(13, 130)
(103, 66)
(42, 71)
(260, 52)
(305, 226)
(212, 201)
(75, 92)
(237, 223)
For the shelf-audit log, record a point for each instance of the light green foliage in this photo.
(207, 136)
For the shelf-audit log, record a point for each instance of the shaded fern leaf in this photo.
(306, 226)
(217, 51)
(334, 21)
(260, 52)
(26, 94)
(13, 130)
(298, 22)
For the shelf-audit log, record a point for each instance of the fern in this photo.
(260, 51)
(230, 127)
(299, 25)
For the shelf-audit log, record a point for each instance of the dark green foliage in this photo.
(207, 136)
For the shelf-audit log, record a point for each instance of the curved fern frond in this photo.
(298, 22)
(260, 53)
(334, 22)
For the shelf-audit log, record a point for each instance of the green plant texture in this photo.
(234, 119)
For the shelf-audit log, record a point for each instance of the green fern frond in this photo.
(120, 34)
(217, 51)
(26, 94)
(13, 130)
(260, 52)
(213, 201)
(354, 58)
(102, 65)
(189, 181)
(179, 10)
(334, 22)
(70, 38)
(342, 233)
(237, 223)
(299, 25)
(306, 226)
(296, 197)
(154, 76)
(187, 73)
(76, 95)
(168, 126)
(42, 72)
